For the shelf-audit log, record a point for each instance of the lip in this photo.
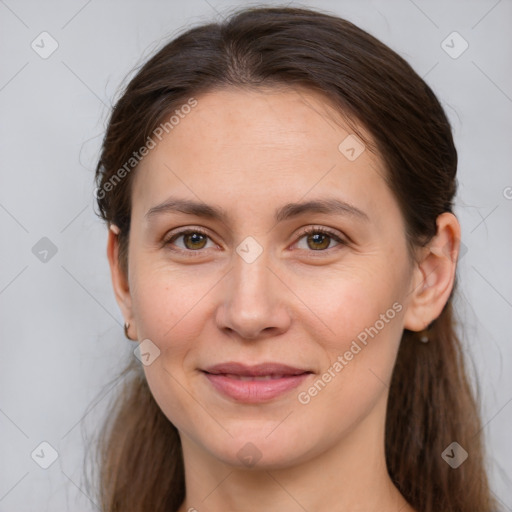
(254, 384)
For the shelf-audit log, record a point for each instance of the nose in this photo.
(253, 303)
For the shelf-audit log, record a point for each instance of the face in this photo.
(321, 289)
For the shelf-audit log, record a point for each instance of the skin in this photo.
(251, 152)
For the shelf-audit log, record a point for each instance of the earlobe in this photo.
(434, 275)
(119, 279)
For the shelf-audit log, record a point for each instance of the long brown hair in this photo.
(431, 403)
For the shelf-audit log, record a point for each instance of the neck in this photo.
(350, 475)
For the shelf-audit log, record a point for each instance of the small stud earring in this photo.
(424, 336)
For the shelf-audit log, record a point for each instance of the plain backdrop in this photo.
(60, 328)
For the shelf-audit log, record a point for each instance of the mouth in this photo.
(254, 384)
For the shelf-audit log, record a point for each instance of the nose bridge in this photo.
(250, 278)
(252, 301)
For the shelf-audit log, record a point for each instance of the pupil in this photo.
(318, 238)
(195, 238)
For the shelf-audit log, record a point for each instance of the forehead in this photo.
(232, 119)
(244, 145)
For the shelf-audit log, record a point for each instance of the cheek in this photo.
(349, 302)
(168, 307)
(165, 301)
(358, 358)
(360, 318)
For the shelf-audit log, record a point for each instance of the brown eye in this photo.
(319, 239)
(193, 241)
(196, 240)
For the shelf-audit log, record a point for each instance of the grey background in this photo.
(60, 327)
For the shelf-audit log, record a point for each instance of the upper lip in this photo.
(269, 368)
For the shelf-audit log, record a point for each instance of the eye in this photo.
(193, 240)
(319, 239)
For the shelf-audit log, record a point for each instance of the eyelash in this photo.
(308, 231)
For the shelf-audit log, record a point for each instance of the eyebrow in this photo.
(330, 206)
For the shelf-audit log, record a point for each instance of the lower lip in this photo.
(254, 391)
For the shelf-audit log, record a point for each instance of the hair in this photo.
(431, 403)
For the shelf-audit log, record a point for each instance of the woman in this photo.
(279, 191)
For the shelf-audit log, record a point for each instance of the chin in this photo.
(260, 450)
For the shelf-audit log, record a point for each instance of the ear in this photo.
(434, 274)
(119, 279)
